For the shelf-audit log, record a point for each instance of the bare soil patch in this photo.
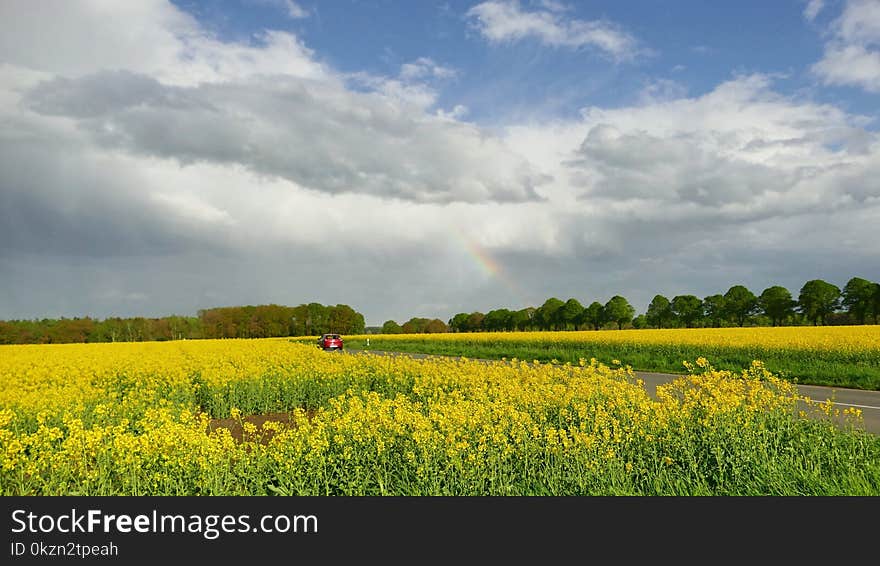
(261, 434)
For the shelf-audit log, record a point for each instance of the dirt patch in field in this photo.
(261, 434)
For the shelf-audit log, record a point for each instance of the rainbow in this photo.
(492, 269)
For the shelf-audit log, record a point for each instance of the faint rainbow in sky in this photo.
(492, 269)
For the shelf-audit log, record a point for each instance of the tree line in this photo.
(818, 302)
(260, 321)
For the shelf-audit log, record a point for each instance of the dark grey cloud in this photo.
(58, 200)
(678, 167)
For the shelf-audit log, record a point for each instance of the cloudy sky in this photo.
(424, 159)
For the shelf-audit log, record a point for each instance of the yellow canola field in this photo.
(861, 339)
(135, 418)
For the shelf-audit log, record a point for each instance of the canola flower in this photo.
(136, 418)
(853, 338)
(845, 356)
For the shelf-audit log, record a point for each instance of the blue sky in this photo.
(696, 44)
(423, 159)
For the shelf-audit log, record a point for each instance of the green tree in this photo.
(659, 311)
(714, 309)
(522, 319)
(391, 327)
(858, 298)
(497, 320)
(570, 314)
(618, 310)
(547, 316)
(740, 304)
(776, 302)
(474, 322)
(594, 315)
(458, 323)
(640, 322)
(818, 299)
(875, 302)
(687, 308)
(415, 325)
(436, 326)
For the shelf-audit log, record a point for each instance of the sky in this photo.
(421, 159)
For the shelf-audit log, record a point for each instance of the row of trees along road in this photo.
(818, 302)
(261, 321)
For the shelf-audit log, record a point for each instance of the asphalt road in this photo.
(841, 398)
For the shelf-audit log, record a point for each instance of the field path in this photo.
(842, 398)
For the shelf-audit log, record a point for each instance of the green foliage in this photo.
(714, 310)
(391, 327)
(458, 323)
(547, 316)
(498, 320)
(858, 298)
(261, 321)
(570, 313)
(594, 315)
(619, 311)
(659, 312)
(687, 308)
(776, 302)
(740, 304)
(818, 299)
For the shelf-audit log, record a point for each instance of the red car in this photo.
(332, 342)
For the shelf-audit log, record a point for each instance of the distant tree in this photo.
(547, 316)
(818, 299)
(875, 302)
(474, 322)
(458, 323)
(522, 319)
(436, 326)
(740, 304)
(69, 330)
(594, 315)
(714, 309)
(858, 298)
(160, 328)
(415, 325)
(391, 327)
(687, 308)
(345, 320)
(659, 311)
(640, 322)
(570, 314)
(776, 302)
(618, 310)
(497, 320)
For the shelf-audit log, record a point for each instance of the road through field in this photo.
(867, 401)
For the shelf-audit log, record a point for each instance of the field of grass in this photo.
(840, 356)
(142, 419)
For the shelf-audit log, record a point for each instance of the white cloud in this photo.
(852, 54)
(294, 10)
(291, 9)
(662, 89)
(425, 68)
(502, 21)
(157, 40)
(812, 9)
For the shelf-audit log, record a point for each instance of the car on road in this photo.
(330, 342)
